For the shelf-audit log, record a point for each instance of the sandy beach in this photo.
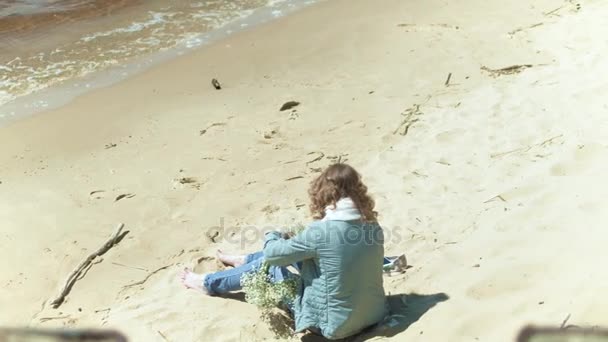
(480, 128)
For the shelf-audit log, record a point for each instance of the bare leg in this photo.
(193, 281)
(230, 260)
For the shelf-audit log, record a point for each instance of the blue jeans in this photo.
(230, 280)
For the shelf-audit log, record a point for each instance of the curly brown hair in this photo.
(336, 182)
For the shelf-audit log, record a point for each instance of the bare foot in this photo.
(230, 260)
(193, 281)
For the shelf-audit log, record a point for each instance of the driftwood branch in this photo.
(86, 270)
(76, 273)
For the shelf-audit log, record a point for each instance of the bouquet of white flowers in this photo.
(262, 292)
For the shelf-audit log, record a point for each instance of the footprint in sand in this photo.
(504, 281)
(449, 137)
(270, 209)
(205, 264)
(187, 181)
(270, 133)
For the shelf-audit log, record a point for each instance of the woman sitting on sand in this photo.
(339, 257)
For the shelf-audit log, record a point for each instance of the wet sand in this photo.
(49, 27)
(75, 39)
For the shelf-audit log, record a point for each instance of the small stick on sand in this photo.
(124, 196)
(550, 140)
(416, 173)
(495, 198)
(502, 154)
(294, 178)
(215, 124)
(527, 148)
(510, 70)
(553, 12)
(564, 322)
(162, 335)
(131, 267)
(524, 28)
(74, 276)
(409, 119)
(447, 82)
(46, 319)
(319, 157)
(141, 282)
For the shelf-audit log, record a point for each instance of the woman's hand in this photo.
(288, 235)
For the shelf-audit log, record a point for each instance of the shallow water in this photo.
(47, 42)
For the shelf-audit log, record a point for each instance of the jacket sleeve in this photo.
(281, 252)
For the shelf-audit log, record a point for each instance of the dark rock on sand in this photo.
(289, 105)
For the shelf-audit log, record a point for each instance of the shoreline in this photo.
(490, 184)
(57, 95)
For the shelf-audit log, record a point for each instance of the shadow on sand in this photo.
(406, 309)
(238, 296)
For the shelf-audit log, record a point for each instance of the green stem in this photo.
(265, 268)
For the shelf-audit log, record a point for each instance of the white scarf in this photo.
(345, 210)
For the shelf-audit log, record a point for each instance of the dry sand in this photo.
(495, 193)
